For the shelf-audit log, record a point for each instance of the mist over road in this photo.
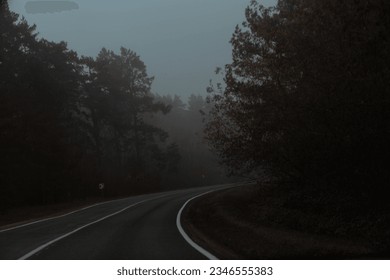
(140, 227)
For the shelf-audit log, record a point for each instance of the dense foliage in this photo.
(68, 124)
(307, 94)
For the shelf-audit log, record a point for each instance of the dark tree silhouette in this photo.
(39, 88)
(118, 96)
(67, 124)
(307, 94)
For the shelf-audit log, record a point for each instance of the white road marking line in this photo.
(201, 250)
(72, 212)
(60, 216)
(40, 248)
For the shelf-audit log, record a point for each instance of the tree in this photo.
(196, 103)
(307, 93)
(67, 124)
(39, 86)
(118, 97)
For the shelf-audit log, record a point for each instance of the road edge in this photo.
(197, 247)
(191, 242)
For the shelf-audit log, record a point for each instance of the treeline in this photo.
(69, 123)
(307, 96)
(185, 125)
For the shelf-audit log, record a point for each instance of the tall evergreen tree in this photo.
(39, 87)
(118, 97)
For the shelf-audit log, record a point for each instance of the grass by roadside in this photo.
(276, 221)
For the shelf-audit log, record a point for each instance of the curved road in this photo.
(140, 227)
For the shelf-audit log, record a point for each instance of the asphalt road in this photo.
(140, 227)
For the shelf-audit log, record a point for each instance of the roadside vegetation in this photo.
(306, 112)
(278, 221)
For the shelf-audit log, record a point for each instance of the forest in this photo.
(307, 97)
(305, 110)
(304, 101)
(69, 124)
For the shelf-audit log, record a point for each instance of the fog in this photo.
(180, 41)
(110, 101)
(110, 92)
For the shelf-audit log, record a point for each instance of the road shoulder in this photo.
(249, 223)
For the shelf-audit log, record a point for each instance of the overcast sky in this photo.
(180, 41)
